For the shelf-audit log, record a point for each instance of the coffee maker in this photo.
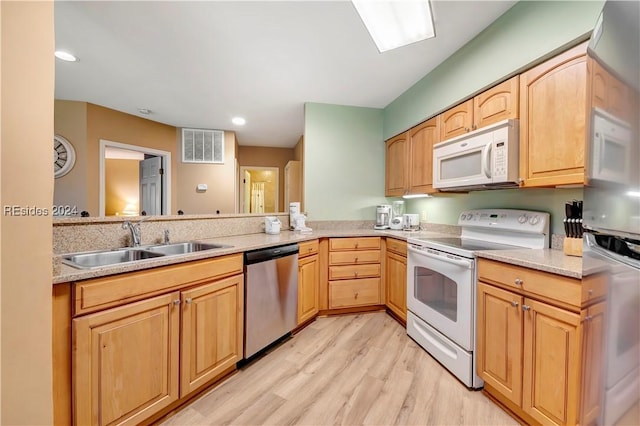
(383, 216)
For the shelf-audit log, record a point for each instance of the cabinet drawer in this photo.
(101, 293)
(397, 246)
(347, 293)
(354, 271)
(354, 257)
(362, 243)
(532, 282)
(307, 248)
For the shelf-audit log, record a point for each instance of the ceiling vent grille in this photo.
(202, 146)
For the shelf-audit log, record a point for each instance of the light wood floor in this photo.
(352, 369)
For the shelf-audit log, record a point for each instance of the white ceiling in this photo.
(198, 64)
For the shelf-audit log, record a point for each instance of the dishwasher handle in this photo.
(270, 253)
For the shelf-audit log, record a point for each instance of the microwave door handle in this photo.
(486, 159)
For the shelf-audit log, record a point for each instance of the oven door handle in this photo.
(468, 264)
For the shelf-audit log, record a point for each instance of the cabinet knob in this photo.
(176, 302)
(590, 292)
(356, 261)
(355, 274)
(514, 303)
(356, 295)
(356, 245)
(474, 127)
(518, 281)
(188, 300)
(526, 307)
(466, 129)
(588, 318)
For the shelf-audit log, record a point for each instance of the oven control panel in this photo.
(506, 219)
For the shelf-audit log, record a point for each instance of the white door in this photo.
(151, 186)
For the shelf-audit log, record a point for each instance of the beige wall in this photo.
(258, 156)
(26, 179)
(122, 185)
(111, 125)
(219, 178)
(70, 122)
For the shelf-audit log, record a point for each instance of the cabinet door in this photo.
(396, 168)
(125, 361)
(499, 340)
(496, 104)
(308, 278)
(421, 141)
(456, 121)
(396, 284)
(593, 328)
(551, 363)
(212, 330)
(553, 119)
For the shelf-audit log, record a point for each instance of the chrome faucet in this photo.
(166, 236)
(134, 228)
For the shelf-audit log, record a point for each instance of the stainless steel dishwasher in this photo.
(271, 296)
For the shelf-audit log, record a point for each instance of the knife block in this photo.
(572, 246)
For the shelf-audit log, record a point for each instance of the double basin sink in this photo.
(96, 259)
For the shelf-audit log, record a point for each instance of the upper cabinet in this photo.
(409, 160)
(495, 104)
(553, 116)
(396, 170)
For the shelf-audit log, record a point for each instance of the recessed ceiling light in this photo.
(65, 56)
(145, 111)
(393, 24)
(238, 121)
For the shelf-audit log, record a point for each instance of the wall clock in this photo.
(64, 156)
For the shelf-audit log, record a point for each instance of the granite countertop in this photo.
(547, 260)
(241, 243)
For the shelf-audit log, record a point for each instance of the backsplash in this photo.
(73, 235)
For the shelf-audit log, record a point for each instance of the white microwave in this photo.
(486, 158)
(610, 151)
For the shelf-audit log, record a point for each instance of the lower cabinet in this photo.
(212, 333)
(131, 361)
(125, 361)
(396, 277)
(534, 356)
(308, 281)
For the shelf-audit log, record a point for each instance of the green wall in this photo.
(445, 208)
(344, 150)
(527, 33)
(344, 162)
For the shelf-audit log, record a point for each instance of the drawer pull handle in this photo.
(356, 245)
(590, 292)
(514, 303)
(518, 281)
(188, 301)
(355, 274)
(356, 260)
(356, 295)
(526, 307)
(176, 302)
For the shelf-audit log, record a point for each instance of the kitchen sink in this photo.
(96, 259)
(184, 248)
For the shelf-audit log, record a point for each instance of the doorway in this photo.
(134, 180)
(259, 189)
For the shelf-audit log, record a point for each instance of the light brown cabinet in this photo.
(396, 277)
(409, 160)
(354, 272)
(553, 118)
(396, 166)
(308, 281)
(531, 336)
(212, 332)
(495, 104)
(162, 334)
(125, 363)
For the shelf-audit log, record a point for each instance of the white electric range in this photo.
(442, 280)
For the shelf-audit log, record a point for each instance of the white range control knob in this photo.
(522, 219)
(469, 216)
(533, 220)
(463, 216)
